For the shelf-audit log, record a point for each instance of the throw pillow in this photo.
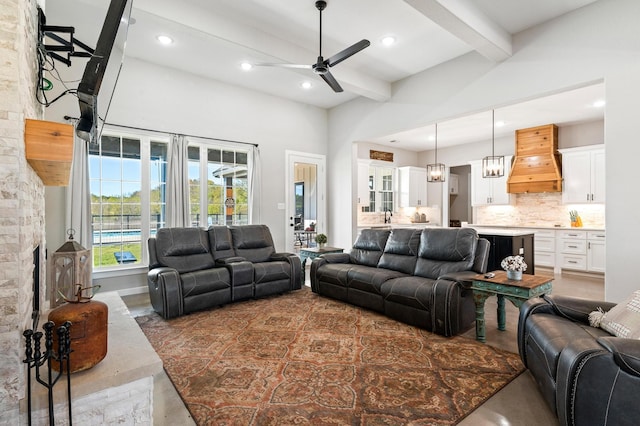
(623, 320)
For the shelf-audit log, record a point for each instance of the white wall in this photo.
(594, 43)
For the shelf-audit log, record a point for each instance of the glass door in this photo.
(305, 201)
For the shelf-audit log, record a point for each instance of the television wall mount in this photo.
(68, 45)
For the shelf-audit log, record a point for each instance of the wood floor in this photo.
(519, 403)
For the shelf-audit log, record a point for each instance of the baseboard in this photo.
(132, 290)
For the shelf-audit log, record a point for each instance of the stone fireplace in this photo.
(121, 386)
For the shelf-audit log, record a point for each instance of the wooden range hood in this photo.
(537, 165)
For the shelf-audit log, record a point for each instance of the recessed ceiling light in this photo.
(306, 85)
(246, 66)
(500, 123)
(388, 40)
(163, 39)
(431, 138)
(599, 103)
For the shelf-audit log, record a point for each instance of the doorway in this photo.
(460, 195)
(305, 199)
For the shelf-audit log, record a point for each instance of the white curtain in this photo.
(78, 208)
(255, 178)
(178, 183)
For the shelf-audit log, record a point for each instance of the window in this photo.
(128, 179)
(127, 204)
(380, 189)
(218, 185)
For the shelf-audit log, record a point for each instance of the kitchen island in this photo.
(508, 242)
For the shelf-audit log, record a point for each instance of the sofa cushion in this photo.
(271, 271)
(253, 242)
(368, 248)
(401, 251)
(443, 251)
(416, 292)
(623, 320)
(368, 278)
(205, 281)
(184, 249)
(220, 242)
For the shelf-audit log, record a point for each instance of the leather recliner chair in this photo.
(586, 375)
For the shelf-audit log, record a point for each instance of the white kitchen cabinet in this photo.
(412, 186)
(363, 182)
(489, 191)
(544, 248)
(583, 173)
(454, 184)
(596, 255)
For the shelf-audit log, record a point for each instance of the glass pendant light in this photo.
(436, 171)
(493, 166)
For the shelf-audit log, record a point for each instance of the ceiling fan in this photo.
(321, 67)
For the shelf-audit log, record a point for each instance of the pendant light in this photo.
(435, 171)
(493, 166)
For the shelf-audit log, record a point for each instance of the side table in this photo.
(516, 291)
(312, 253)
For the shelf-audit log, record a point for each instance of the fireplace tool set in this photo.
(36, 358)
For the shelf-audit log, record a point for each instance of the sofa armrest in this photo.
(626, 353)
(464, 278)
(296, 267)
(574, 308)
(229, 260)
(165, 291)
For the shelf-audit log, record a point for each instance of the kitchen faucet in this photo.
(387, 220)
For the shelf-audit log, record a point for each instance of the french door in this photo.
(305, 199)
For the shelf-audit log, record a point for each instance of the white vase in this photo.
(514, 275)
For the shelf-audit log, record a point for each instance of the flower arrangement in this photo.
(321, 239)
(513, 263)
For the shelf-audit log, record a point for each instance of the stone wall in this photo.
(21, 197)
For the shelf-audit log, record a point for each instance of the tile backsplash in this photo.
(540, 209)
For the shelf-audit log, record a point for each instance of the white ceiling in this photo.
(213, 37)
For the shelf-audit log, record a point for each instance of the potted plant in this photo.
(321, 239)
(514, 265)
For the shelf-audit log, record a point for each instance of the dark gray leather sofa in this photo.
(419, 277)
(586, 375)
(191, 269)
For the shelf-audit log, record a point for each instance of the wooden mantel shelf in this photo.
(49, 150)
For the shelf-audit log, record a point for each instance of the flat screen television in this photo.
(103, 66)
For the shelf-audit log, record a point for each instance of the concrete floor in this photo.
(518, 403)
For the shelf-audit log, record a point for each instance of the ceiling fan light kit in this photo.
(321, 67)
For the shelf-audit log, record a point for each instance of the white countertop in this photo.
(502, 231)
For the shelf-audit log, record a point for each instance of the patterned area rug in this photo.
(302, 359)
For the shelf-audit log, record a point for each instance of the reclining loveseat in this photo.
(586, 375)
(191, 269)
(417, 276)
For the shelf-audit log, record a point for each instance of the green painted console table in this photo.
(517, 291)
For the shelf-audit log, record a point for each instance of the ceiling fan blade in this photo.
(331, 81)
(279, 65)
(349, 51)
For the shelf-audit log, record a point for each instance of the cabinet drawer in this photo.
(578, 263)
(596, 235)
(545, 244)
(544, 233)
(573, 246)
(574, 235)
(545, 259)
